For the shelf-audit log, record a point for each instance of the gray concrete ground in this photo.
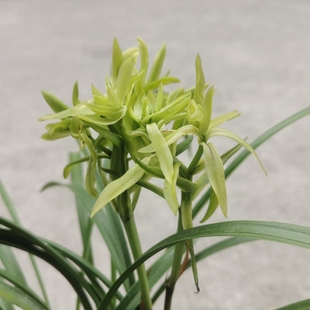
(256, 53)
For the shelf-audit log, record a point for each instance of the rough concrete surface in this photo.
(256, 53)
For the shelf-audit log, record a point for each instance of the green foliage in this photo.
(130, 133)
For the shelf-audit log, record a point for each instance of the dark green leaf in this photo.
(16, 236)
(217, 247)
(300, 305)
(280, 232)
(11, 264)
(24, 289)
(19, 298)
(109, 225)
(85, 222)
(7, 256)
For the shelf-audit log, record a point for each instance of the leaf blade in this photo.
(257, 230)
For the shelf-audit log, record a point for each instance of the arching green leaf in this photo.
(279, 232)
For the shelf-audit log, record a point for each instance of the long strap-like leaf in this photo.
(21, 238)
(280, 232)
(300, 305)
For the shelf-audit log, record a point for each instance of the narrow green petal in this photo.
(171, 118)
(162, 151)
(215, 171)
(55, 135)
(75, 94)
(105, 110)
(146, 107)
(203, 179)
(201, 182)
(117, 187)
(144, 58)
(101, 121)
(195, 115)
(90, 178)
(124, 78)
(158, 64)
(100, 99)
(170, 190)
(166, 112)
(164, 80)
(223, 118)
(80, 109)
(213, 204)
(113, 98)
(200, 82)
(117, 59)
(95, 91)
(207, 108)
(131, 52)
(55, 104)
(70, 166)
(228, 134)
(159, 98)
(57, 131)
(173, 137)
(175, 94)
(181, 132)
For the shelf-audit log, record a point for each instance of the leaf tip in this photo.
(94, 211)
(197, 288)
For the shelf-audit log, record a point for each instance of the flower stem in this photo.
(195, 160)
(175, 270)
(135, 245)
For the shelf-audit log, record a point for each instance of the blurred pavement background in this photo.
(256, 53)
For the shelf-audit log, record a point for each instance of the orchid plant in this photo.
(131, 132)
(141, 129)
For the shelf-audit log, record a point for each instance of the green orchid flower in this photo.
(140, 130)
(137, 112)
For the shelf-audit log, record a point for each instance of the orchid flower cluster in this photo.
(136, 130)
(141, 129)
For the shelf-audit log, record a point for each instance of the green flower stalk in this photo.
(141, 129)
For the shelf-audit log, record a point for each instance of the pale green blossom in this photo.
(140, 127)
